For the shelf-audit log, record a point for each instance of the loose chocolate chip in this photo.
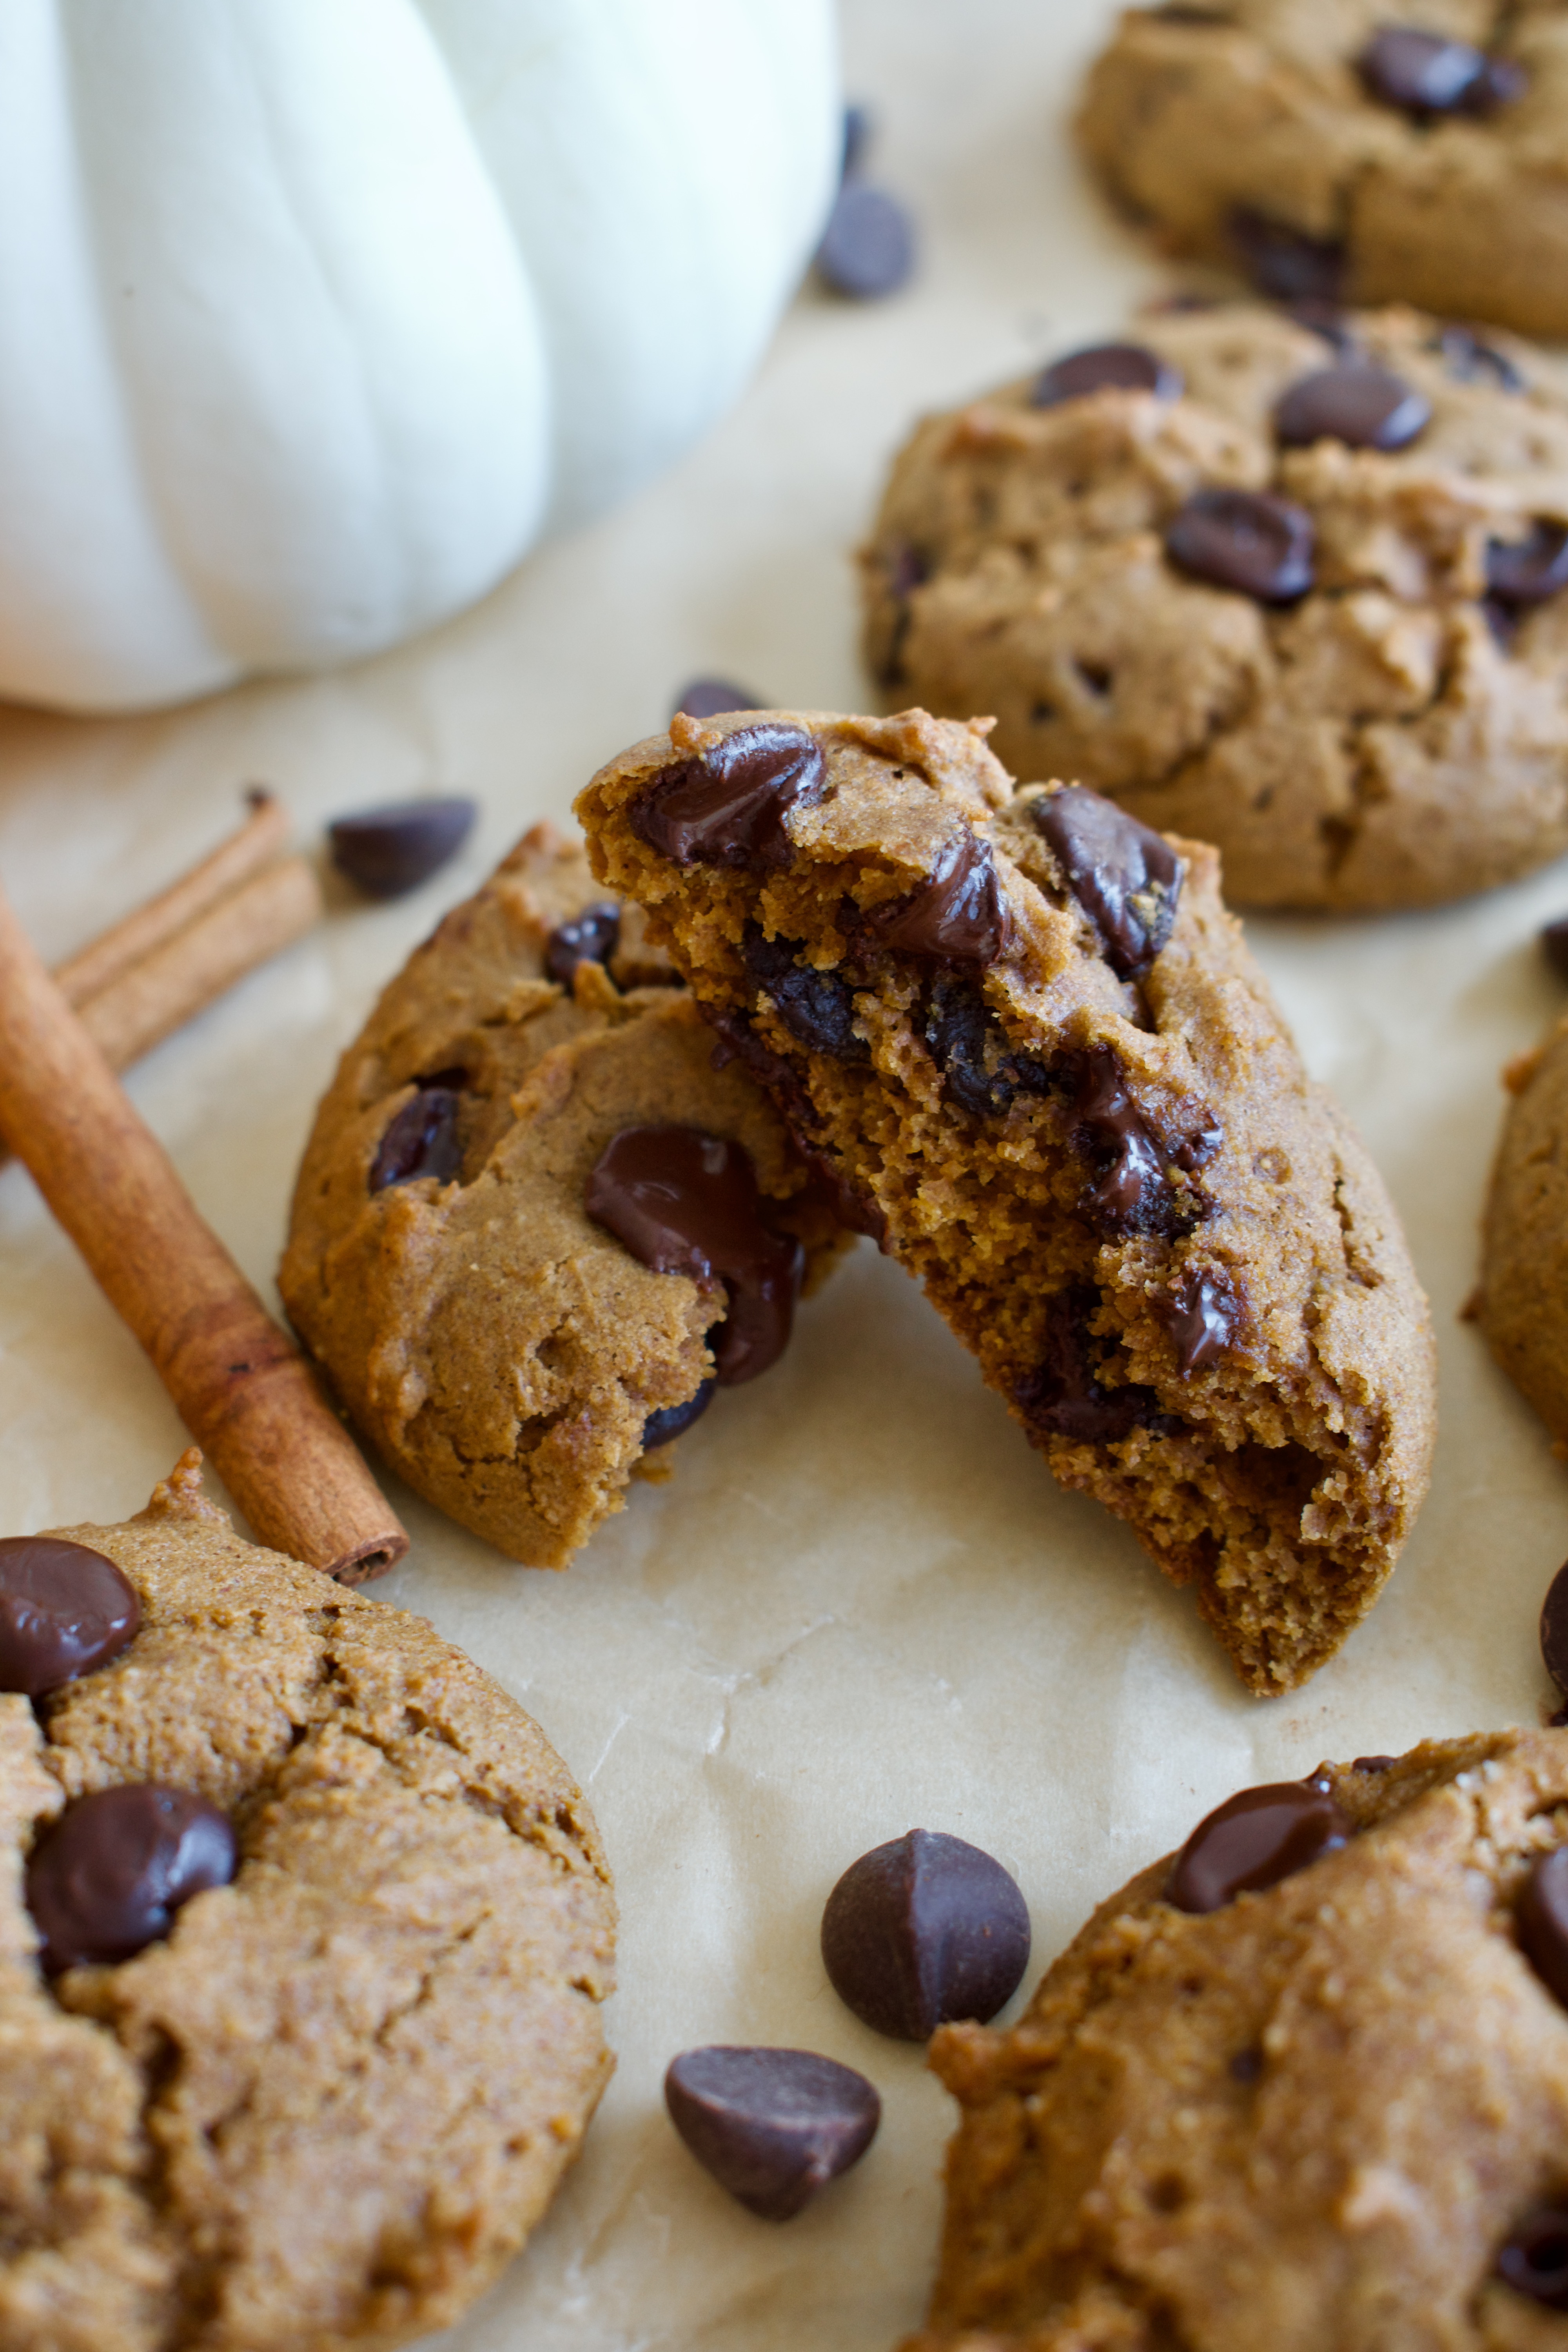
(1365, 407)
(1555, 1608)
(1528, 570)
(1201, 1316)
(1253, 1841)
(1534, 2261)
(672, 1419)
(727, 806)
(1540, 1918)
(1064, 1395)
(64, 1611)
(923, 1930)
(422, 1141)
(1422, 73)
(1245, 539)
(1469, 357)
(868, 248)
(107, 1879)
(685, 1202)
(711, 698)
(857, 128)
(969, 1046)
(958, 915)
(1126, 878)
(773, 2127)
(1104, 367)
(817, 1008)
(1555, 948)
(385, 851)
(591, 937)
(1284, 262)
(1131, 1193)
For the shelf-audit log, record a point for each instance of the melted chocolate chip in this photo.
(64, 1611)
(958, 915)
(422, 1141)
(831, 1188)
(868, 248)
(727, 807)
(1065, 1396)
(1423, 74)
(1253, 1841)
(1542, 1921)
(1528, 570)
(1246, 539)
(1105, 367)
(1284, 262)
(385, 851)
(685, 1202)
(1126, 878)
(773, 2127)
(1365, 407)
(1555, 1608)
(107, 1879)
(711, 697)
(1470, 358)
(923, 1930)
(591, 937)
(1534, 2261)
(816, 1007)
(1374, 1763)
(1131, 1193)
(969, 1046)
(672, 1419)
(1201, 1316)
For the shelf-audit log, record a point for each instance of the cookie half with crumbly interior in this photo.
(1305, 2084)
(472, 1257)
(1023, 1041)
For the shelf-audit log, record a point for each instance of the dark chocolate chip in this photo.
(1105, 367)
(1470, 358)
(817, 1008)
(1127, 878)
(739, 1042)
(1365, 407)
(385, 851)
(1528, 570)
(64, 1611)
(969, 1046)
(591, 937)
(1201, 1316)
(711, 698)
(672, 1419)
(1540, 1918)
(868, 248)
(1423, 74)
(923, 1930)
(1253, 1841)
(958, 915)
(1131, 1193)
(1555, 948)
(1534, 2261)
(685, 1202)
(1555, 1608)
(1374, 1763)
(106, 1880)
(727, 806)
(773, 2127)
(858, 129)
(1064, 1395)
(1284, 262)
(422, 1141)
(1245, 539)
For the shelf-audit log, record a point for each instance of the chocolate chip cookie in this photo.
(1020, 1038)
(1295, 591)
(1375, 150)
(1305, 2084)
(303, 1932)
(1523, 1302)
(534, 1228)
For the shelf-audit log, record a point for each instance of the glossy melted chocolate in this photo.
(727, 806)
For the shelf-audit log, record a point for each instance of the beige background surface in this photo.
(860, 1605)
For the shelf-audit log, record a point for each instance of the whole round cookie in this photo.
(472, 1257)
(1305, 2084)
(1522, 1301)
(1378, 150)
(1294, 591)
(327, 2099)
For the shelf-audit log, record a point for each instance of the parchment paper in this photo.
(860, 1605)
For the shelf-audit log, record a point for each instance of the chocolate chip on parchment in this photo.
(1555, 1608)
(773, 2127)
(1521, 572)
(711, 698)
(669, 1421)
(106, 1878)
(868, 248)
(422, 1140)
(1064, 1394)
(1246, 539)
(1422, 73)
(1126, 877)
(727, 806)
(923, 1930)
(64, 1611)
(1201, 1316)
(1104, 367)
(1254, 1840)
(387, 851)
(1284, 262)
(1535, 2260)
(591, 937)
(1365, 407)
(816, 1007)
(958, 915)
(1540, 1918)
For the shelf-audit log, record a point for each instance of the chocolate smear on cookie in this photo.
(107, 1879)
(1201, 1315)
(727, 806)
(957, 915)
(1125, 876)
(64, 1611)
(1254, 1840)
(1065, 1396)
(1132, 1192)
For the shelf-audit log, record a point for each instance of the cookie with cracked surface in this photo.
(1022, 1032)
(1375, 150)
(1293, 592)
(1523, 1302)
(1329, 2112)
(497, 1342)
(330, 2102)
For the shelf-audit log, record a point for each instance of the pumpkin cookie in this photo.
(303, 1932)
(1294, 592)
(1379, 150)
(1523, 1305)
(1021, 1032)
(1305, 2084)
(511, 1345)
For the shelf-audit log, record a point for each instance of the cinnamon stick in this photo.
(242, 1388)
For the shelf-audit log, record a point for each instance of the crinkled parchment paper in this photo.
(860, 1604)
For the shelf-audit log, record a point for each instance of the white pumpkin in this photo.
(315, 313)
